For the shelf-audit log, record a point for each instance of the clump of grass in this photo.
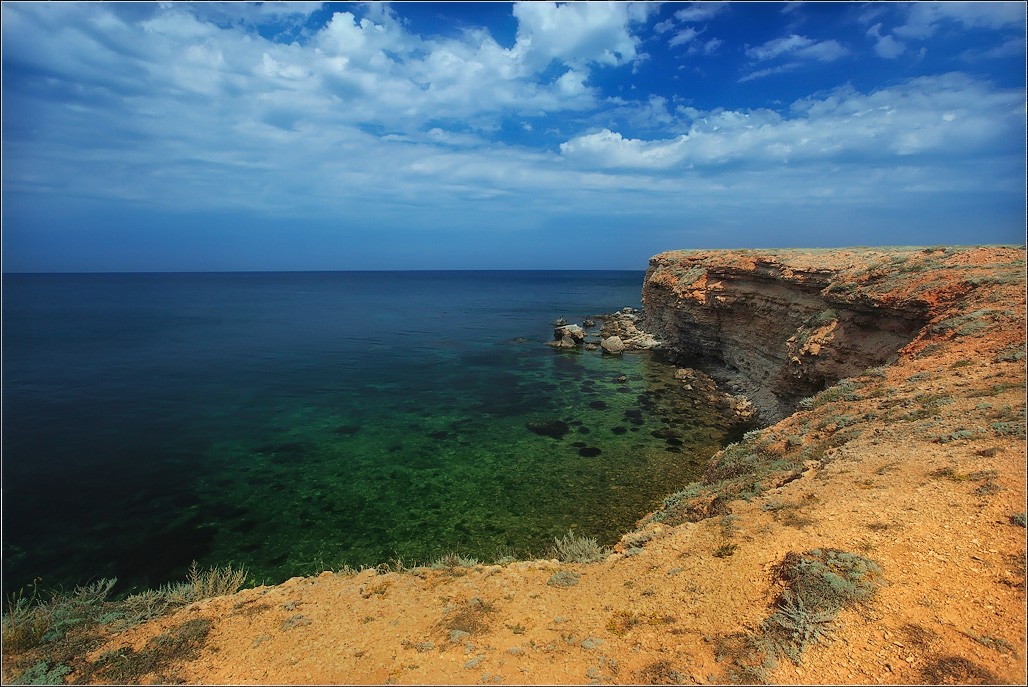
(215, 581)
(662, 673)
(725, 550)
(623, 621)
(818, 584)
(563, 579)
(36, 618)
(472, 617)
(995, 643)
(1018, 519)
(574, 549)
(64, 626)
(41, 673)
(949, 473)
(453, 560)
(637, 540)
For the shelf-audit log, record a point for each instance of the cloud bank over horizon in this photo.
(187, 136)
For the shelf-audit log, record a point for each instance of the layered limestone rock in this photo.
(781, 325)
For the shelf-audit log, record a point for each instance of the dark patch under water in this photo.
(292, 422)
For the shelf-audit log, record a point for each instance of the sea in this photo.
(293, 422)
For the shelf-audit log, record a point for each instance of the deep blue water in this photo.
(296, 421)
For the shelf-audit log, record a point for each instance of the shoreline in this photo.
(914, 469)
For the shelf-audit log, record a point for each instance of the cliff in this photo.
(874, 533)
(782, 325)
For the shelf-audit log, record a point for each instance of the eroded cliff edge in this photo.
(781, 325)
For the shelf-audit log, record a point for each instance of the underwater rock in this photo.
(555, 429)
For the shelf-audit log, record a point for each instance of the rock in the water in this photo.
(589, 322)
(559, 322)
(572, 331)
(613, 345)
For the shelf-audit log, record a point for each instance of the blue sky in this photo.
(284, 136)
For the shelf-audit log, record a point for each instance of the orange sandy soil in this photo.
(953, 562)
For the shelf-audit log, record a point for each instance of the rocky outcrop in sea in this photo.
(619, 332)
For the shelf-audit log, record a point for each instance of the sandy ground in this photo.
(927, 496)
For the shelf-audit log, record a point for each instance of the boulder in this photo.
(570, 331)
(613, 345)
(642, 341)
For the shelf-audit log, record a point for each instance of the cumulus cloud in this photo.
(949, 115)
(798, 46)
(576, 34)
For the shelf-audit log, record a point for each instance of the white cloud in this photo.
(364, 118)
(577, 34)
(700, 11)
(664, 26)
(885, 46)
(769, 71)
(949, 115)
(277, 9)
(684, 36)
(609, 149)
(711, 46)
(923, 18)
(1012, 47)
(798, 46)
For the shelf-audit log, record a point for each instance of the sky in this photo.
(340, 136)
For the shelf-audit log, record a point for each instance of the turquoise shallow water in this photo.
(296, 421)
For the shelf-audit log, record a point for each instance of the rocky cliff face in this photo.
(782, 325)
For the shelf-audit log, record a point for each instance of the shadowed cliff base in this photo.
(875, 535)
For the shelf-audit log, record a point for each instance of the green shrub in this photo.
(563, 578)
(216, 581)
(574, 549)
(818, 584)
(453, 560)
(42, 674)
(32, 620)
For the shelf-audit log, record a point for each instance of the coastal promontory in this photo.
(870, 529)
